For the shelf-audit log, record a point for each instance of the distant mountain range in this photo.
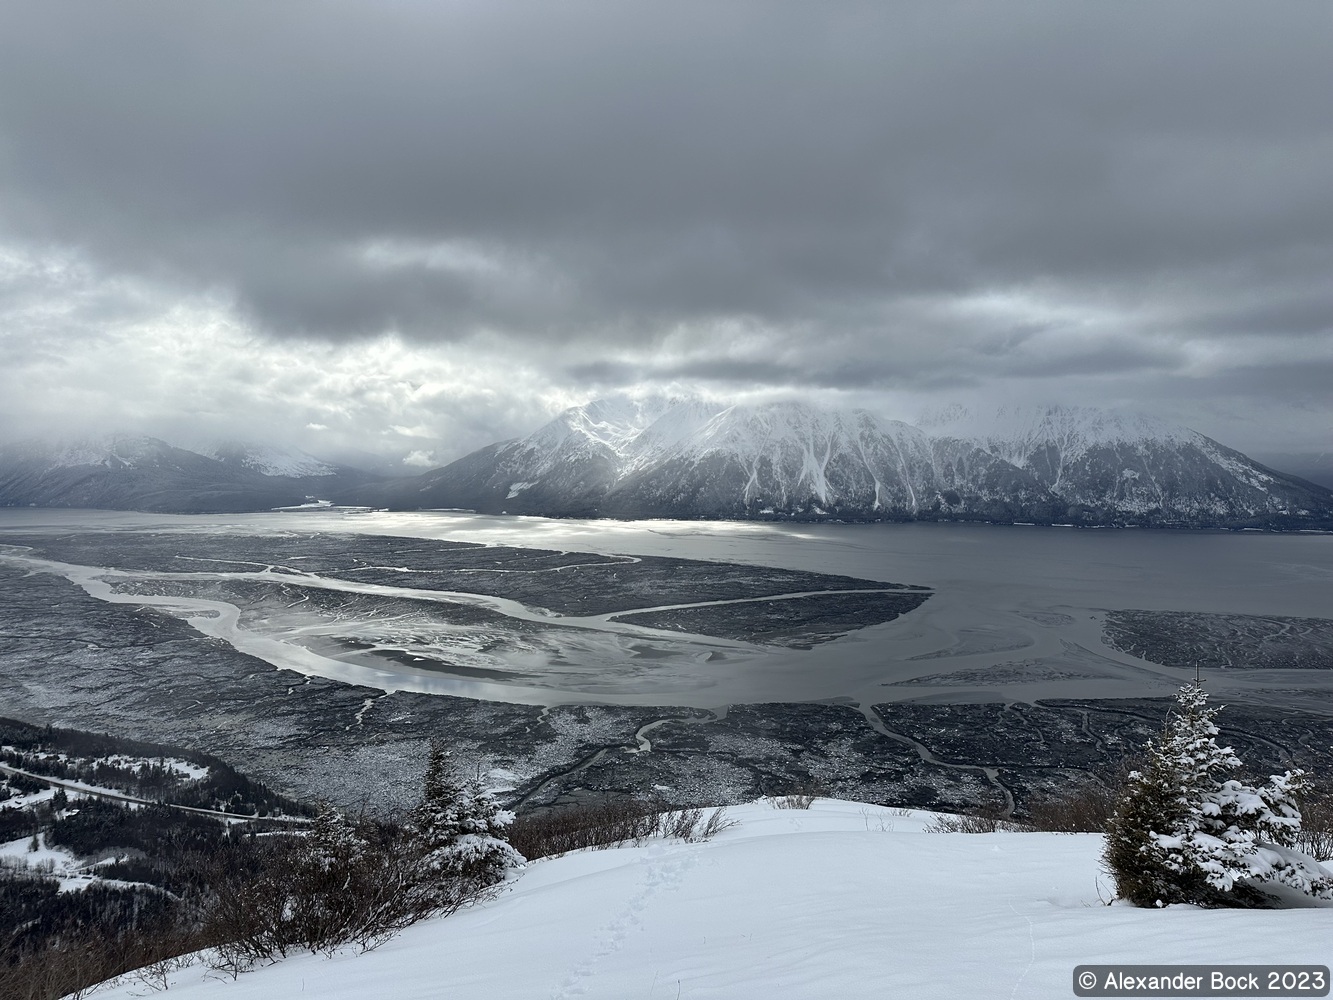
(133, 472)
(689, 458)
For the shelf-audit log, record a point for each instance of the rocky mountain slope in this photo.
(622, 457)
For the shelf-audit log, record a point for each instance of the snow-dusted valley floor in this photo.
(843, 900)
(931, 665)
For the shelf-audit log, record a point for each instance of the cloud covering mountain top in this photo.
(410, 230)
(694, 458)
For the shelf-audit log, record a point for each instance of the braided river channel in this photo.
(1014, 613)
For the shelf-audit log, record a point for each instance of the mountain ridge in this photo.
(121, 471)
(686, 457)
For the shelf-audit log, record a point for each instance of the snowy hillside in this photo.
(843, 900)
(688, 457)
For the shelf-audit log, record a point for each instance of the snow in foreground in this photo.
(842, 900)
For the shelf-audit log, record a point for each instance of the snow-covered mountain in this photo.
(268, 460)
(686, 457)
(135, 472)
(1134, 466)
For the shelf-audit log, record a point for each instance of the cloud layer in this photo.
(422, 226)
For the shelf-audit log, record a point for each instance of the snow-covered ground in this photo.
(27, 799)
(56, 862)
(19, 854)
(843, 900)
(184, 768)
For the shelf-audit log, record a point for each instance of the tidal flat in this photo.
(941, 665)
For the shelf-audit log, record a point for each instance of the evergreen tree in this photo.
(1186, 832)
(458, 832)
(333, 845)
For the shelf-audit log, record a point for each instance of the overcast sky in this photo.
(415, 228)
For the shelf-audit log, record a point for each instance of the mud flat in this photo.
(799, 622)
(322, 660)
(135, 672)
(1236, 642)
(564, 582)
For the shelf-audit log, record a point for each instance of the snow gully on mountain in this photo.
(688, 458)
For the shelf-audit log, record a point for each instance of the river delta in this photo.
(922, 664)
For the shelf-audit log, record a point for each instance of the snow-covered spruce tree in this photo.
(1184, 831)
(458, 833)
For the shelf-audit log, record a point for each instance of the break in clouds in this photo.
(405, 230)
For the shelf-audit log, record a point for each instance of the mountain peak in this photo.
(689, 457)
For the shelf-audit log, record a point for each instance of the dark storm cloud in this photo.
(1114, 202)
(659, 163)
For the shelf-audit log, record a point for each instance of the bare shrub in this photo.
(987, 819)
(1316, 836)
(800, 797)
(610, 824)
(963, 824)
(690, 825)
(75, 968)
(681, 824)
(156, 975)
(359, 882)
(1086, 810)
(717, 822)
(572, 828)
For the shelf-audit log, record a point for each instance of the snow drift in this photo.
(843, 900)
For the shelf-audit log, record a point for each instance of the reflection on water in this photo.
(1017, 612)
